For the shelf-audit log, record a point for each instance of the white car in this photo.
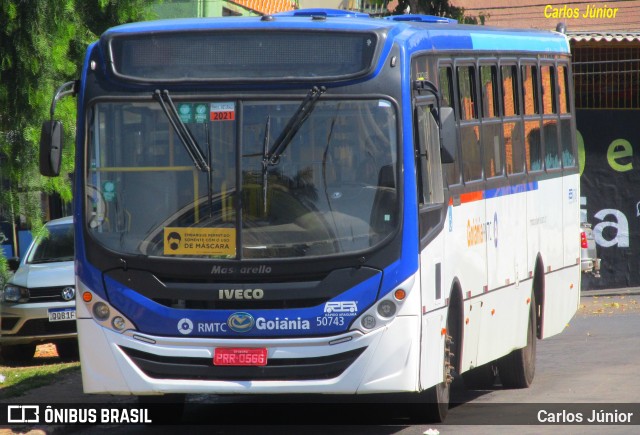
(38, 303)
(589, 254)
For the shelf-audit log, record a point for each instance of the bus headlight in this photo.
(368, 322)
(101, 311)
(118, 323)
(386, 308)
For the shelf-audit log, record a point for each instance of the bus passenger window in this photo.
(529, 89)
(532, 133)
(471, 158)
(469, 132)
(512, 129)
(533, 145)
(467, 92)
(510, 90)
(547, 74)
(489, 79)
(566, 141)
(514, 147)
(491, 130)
(563, 87)
(445, 78)
(549, 125)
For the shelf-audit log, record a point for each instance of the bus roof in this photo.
(417, 32)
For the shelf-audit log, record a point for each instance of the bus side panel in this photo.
(466, 250)
(433, 294)
(561, 299)
(506, 236)
(571, 215)
(505, 315)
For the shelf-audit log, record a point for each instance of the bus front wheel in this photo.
(433, 406)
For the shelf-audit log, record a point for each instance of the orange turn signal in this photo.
(400, 294)
(87, 296)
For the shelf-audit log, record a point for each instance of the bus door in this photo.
(431, 214)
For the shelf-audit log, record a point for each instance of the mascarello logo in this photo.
(241, 322)
(185, 326)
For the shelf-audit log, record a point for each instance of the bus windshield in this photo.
(330, 190)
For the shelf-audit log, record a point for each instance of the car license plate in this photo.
(61, 314)
(240, 356)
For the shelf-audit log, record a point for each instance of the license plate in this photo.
(240, 356)
(61, 314)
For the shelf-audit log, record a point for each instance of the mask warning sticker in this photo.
(220, 242)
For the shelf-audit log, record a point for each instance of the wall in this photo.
(610, 187)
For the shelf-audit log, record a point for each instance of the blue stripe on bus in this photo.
(510, 190)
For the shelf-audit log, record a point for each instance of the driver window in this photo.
(429, 164)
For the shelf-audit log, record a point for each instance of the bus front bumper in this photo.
(382, 361)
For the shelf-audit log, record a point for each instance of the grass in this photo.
(39, 372)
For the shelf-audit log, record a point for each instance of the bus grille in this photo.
(163, 367)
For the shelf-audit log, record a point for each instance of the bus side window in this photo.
(430, 182)
(550, 118)
(512, 127)
(491, 125)
(445, 84)
(429, 166)
(469, 127)
(533, 139)
(566, 141)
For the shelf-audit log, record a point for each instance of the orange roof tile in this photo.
(266, 7)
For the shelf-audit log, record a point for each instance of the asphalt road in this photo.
(592, 364)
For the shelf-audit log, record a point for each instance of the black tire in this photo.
(18, 353)
(518, 369)
(68, 350)
(481, 378)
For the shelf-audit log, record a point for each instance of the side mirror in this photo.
(50, 148)
(13, 263)
(448, 132)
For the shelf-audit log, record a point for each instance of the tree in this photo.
(42, 45)
(440, 8)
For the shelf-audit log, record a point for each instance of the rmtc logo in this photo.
(240, 293)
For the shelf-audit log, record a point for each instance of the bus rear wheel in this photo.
(518, 368)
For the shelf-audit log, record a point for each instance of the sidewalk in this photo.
(623, 291)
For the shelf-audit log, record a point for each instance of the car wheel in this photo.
(18, 353)
(68, 350)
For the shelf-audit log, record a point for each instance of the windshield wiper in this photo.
(265, 162)
(292, 127)
(185, 135)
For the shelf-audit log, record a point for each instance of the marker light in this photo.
(400, 294)
(101, 311)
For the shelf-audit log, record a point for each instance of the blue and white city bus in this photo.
(321, 202)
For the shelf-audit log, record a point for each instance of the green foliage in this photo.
(441, 8)
(42, 45)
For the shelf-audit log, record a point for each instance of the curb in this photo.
(623, 291)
